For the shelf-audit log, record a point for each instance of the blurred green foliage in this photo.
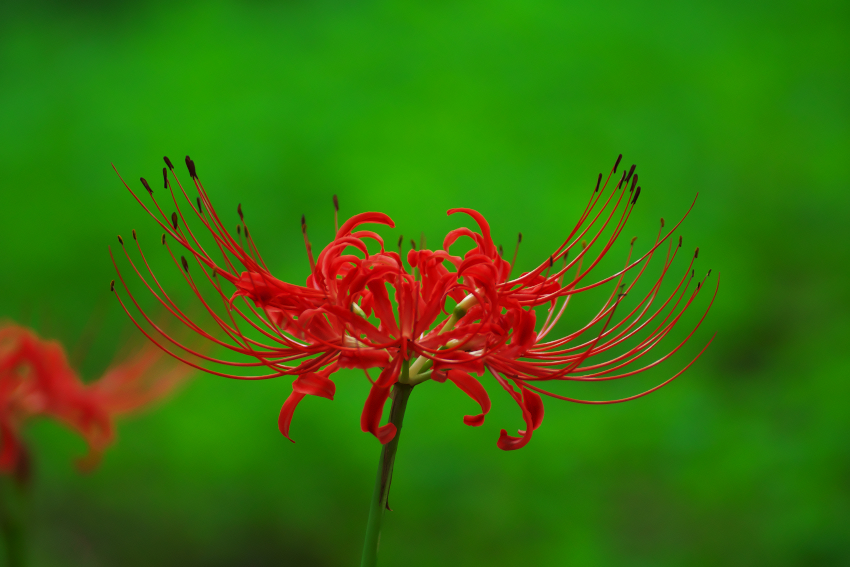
(511, 108)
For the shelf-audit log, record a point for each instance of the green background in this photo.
(511, 108)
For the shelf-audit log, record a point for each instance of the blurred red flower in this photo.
(36, 379)
(362, 308)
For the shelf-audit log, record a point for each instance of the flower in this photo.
(362, 308)
(36, 379)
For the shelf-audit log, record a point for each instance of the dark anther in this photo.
(692, 273)
(145, 183)
(239, 229)
(400, 241)
(200, 208)
(501, 251)
(336, 204)
(633, 240)
(246, 233)
(303, 225)
(174, 220)
(168, 162)
(241, 217)
(696, 254)
(634, 182)
(631, 170)
(598, 183)
(185, 263)
(163, 238)
(622, 180)
(413, 244)
(120, 240)
(165, 178)
(708, 274)
(662, 222)
(191, 165)
(680, 242)
(616, 165)
(699, 284)
(551, 261)
(519, 239)
(637, 194)
(112, 285)
(134, 234)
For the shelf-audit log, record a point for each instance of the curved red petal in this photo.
(315, 384)
(285, 417)
(472, 388)
(363, 218)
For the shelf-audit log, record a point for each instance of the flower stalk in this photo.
(13, 511)
(380, 496)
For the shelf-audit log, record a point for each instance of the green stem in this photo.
(12, 502)
(380, 496)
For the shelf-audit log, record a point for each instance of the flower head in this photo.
(36, 379)
(436, 316)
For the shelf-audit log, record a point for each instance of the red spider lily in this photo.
(37, 380)
(344, 315)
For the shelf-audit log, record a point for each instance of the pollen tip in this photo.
(185, 263)
(699, 285)
(633, 241)
(708, 274)
(616, 165)
(637, 194)
(662, 222)
(336, 204)
(165, 178)
(120, 240)
(634, 182)
(239, 229)
(400, 240)
(168, 162)
(680, 242)
(145, 183)
(696, 254)
(112, 285)
(501, 251)
(631, 171)
(191, 166)
(413, 244)
(551, 261)
(241, 217)
(198, 201)
(583, 244)
(598, 183)
(174, 220)
(303, 224)
(519, 239)
(163, 238)
(134, 234)
(246, 233)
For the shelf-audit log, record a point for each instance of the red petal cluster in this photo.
(361, 307)
(36, 379)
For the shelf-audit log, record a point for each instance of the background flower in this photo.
(36, 380)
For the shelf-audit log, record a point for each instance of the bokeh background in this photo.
(508, 107)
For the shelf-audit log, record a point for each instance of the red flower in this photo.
(36, 379)
(344, 315)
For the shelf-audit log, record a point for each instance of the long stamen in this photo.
(307, 244)
(336, 214)
(516, 251)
